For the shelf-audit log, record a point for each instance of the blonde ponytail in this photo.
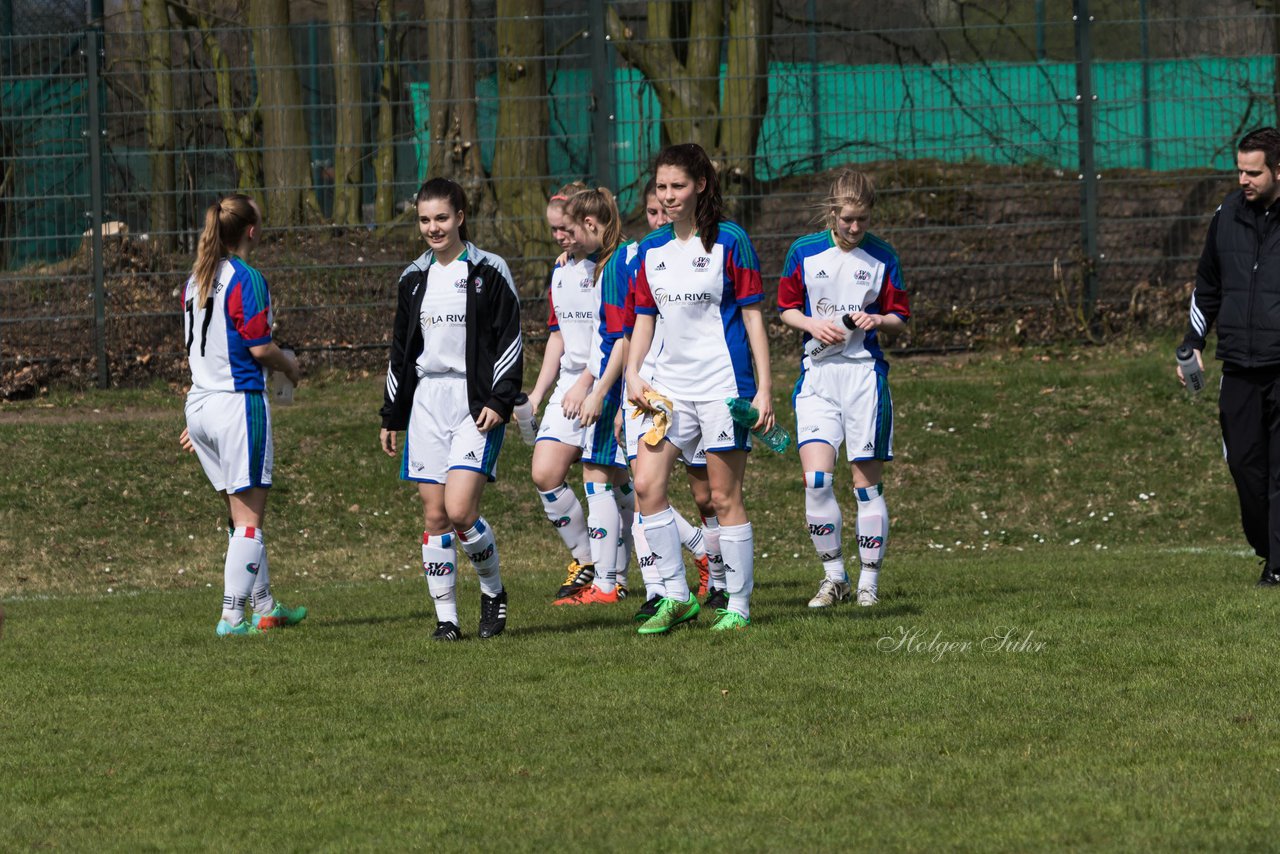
(600, 205)
(225, 224)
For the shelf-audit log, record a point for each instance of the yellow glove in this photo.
(661, 407)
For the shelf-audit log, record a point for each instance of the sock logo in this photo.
(482, 556)
(251, 568)
(437, 568)
(821, 530)
(873, 542)
(598, 533)
(651, 559)
(561, 522)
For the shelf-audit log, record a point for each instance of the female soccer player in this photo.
(227, 318)
(841, 287)
(589, 407)
(571, 308)
(455, 372)
(702, 277)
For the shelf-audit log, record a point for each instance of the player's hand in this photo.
(619, 428)
(185, 441)
(1199, 364)
(487, 420)
(571, 403)
(763, 402)
(387, 438)
(827, 332)
(866, 322)
(590, 412)
(636, 389)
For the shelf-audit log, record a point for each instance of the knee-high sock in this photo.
(826, 522)
(440, 568)
(260, 598)
(873, 533)
(604, 525)
(664, 541)
(690, 537)
(626, 498)
(565, 513)
(715, 561)
(244, 559)
(737, 544)
(481, 547)
(648, 561)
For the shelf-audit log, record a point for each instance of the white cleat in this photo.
(829, 593)
(867, 597)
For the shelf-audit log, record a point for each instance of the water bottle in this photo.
(281, 388)
(1191, 371)
(818, 350)
(525, 419)
(775, 438)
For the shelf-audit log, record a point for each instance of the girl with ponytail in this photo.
(701, 275)
(227, 320)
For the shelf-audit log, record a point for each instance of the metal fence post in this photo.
(604, 109)
(1085, 99)
(95, 95)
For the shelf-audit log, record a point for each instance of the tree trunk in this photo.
(348, 144)
(520, 155)
(164, 209)
(746, 94)
(286, 150)
(384, 163)
(239, 130)
(451, 77)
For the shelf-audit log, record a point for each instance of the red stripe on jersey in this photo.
(791, 289)
(893, 299)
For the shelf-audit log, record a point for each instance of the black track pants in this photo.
(1249, 411)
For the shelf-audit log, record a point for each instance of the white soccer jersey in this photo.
(822, 280)
(573, 300)
(699, 295)
(236, 316)
(444, 320)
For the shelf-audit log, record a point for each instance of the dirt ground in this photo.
(991, 257)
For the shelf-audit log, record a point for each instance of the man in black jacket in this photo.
(1238, 286)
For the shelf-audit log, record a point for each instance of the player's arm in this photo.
(824, 330)
(273, 358)
(639, 342)
(758, 339)
(594, 402)
(550, 369)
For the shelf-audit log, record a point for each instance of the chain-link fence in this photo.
(1046, 168)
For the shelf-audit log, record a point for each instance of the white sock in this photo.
(626, 498)
(604, 525)
(715, 560)
(738, 547)
(260, 599)
(482, 548)
(873, 534)
(648, 561)
(440, 568)
(690, 537)
(565, 513)
(826, 522)
(244, 559)
(664, 541)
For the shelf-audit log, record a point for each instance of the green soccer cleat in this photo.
(727, 621)
(241, 628)
(671, 613)
(281, 615)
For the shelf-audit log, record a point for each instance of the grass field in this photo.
(1069, 651)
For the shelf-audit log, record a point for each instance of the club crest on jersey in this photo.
(479, 282)
(862, 275)
(461, 284)
(586, 283)
(702, 262)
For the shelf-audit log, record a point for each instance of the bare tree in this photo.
(160, 126)
(520, 154)
(451, 76)
(286, 149)
(348, 161)
(384, 163)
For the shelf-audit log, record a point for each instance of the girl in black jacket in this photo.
(456, 366)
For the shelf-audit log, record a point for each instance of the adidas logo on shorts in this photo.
(724, 436)
(868, 447)
(471, 455)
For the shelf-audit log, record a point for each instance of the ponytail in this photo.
(225, 224)
(600, 205)
(693, 160)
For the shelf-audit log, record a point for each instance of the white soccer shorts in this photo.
(231, 432)
(599, 443)
(700, 427)
(443, 436)
(843, 401)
